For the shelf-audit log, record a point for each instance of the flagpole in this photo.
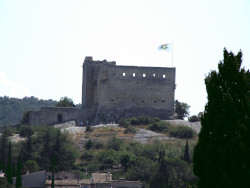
(172, 53)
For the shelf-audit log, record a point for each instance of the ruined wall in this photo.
(110, 91)
(53, 115)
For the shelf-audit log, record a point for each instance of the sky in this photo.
(43, 43)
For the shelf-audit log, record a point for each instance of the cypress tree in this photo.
(9, 167)
(3, 150)
(222, 155)
(186, 153)
(18, 172)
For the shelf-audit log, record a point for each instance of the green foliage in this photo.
(89, 144)
(31, 166)
(130, 129)
(181, 109)
(9, 163)
(3, 150)
(194, 118)
(114, 143)
(87, 156)
(89, 128)
(161, 126)
(18, 172)
(25, 131)
(12, 109)
(65, 102)
(186, 153)
(107, 159)
(221, 157)
(181, 132)
(173, 172)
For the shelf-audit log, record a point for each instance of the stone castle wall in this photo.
(111, 91)
(52, 115)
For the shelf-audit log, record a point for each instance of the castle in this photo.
(110, 92)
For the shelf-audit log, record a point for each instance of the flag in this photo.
(166, 47)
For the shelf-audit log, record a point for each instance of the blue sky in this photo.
(43, 43)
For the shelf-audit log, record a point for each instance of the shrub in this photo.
(89, 144)
(134, 121)
(130, 129)
(98, 145)
(143, 119)
(124, 122)
(181, 132)
(25, 131)
(87, 156)
(114, 143)
(89, 128)
(194, 119)
(159, 126)
(155, 120)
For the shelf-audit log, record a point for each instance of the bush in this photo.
(25, 131)
(87, 156)
(98, 145)
(114, 143)
(143, 119)
(89, 144)
(130, 129)
(161, 126)
(181, 132)
(134, 121)
(124, 122)
(89, 128)
(194, 118)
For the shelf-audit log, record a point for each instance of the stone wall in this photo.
(111, 91)
(53, 115)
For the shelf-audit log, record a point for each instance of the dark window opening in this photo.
(155, 101)
(142, 101)
(59, 117)
(163, 101)
(112, 100)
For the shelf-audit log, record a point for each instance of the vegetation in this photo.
(65, 102)
(181, 109)
(46, 149)
(194, 118)
(181, 132)
(221, 157)
(12, 109)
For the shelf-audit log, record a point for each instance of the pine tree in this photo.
(222, 155)
(18, 172)
(9, 167)
(27, 150)
(186, 153)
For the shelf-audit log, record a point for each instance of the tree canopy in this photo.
(181, 109)
(222, 155)
(65, 102)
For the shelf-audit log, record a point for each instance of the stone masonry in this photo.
(110, 92)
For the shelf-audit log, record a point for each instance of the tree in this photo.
(18, 172)
(186, 153)
(9, 167)
(3, 150)
(65, 102)
(221, 157)
(181, 109)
